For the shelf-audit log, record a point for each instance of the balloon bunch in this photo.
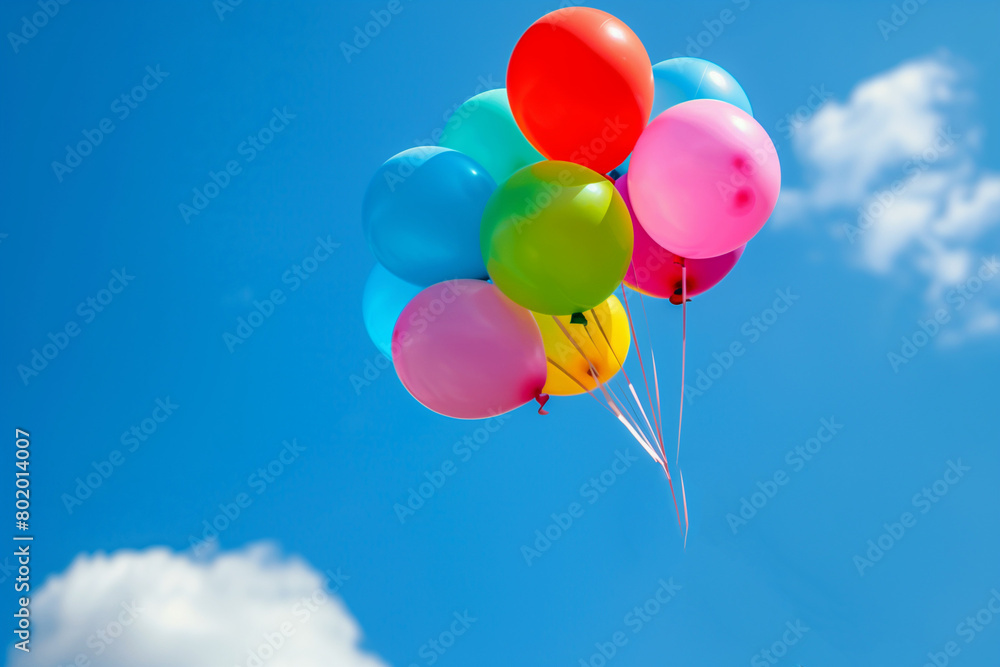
(501, 249)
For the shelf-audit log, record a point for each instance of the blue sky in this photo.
(264, 98)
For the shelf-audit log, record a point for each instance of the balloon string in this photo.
(638, 352)
(642, 367)
(636, 433)
(634, 430)
(687, 524)
(684, 307)
(658, 414)
(613, 409)
(607, 341)
(680, 414)
(582, 386)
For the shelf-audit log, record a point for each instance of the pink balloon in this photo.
(465, 350)
(704, 178)
(656, 271)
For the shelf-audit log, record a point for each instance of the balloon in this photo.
(465, 350)
(557, 238)
(682, 79)
(421, 215)
(604, 342)
(581, 87)
(655, 271)
(704, 178)
(384, 298)
(484, 129)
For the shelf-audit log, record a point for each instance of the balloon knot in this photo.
(542, 400)
(578, 318)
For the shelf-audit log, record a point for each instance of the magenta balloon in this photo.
(656, 271)
(465, 350)
(704, 178)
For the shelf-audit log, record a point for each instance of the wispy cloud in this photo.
(894, 172)
(158, 608)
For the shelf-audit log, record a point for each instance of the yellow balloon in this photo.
(603, 343)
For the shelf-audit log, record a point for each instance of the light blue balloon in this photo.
(421, 215)
(683, 79)
(384, 298)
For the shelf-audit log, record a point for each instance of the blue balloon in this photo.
(421, 215)
(384, 298)
(683, 79)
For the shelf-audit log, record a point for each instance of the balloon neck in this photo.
(578, 318)
(542, 400)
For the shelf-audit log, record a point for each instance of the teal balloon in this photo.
(383, 300)
(421, 215)
(484, 129)
(683, 79)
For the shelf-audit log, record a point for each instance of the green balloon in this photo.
(557, 238)
(484, 129)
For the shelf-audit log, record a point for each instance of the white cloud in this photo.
(894, 171)
(158, 608)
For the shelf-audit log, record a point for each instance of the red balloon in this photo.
(655, 271)
(580, 85)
